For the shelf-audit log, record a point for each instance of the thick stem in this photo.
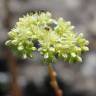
(15, 89)
(14, 85)
(9, 16)
(53, 82)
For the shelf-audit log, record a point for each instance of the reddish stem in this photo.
(54, 84)
(15, 89)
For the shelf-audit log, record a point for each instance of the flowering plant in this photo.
(51, 38)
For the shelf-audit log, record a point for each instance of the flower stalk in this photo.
(15, 89)
(53, 82)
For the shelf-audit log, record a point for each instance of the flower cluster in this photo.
(51, 38)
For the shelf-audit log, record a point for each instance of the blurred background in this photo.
(74, 79)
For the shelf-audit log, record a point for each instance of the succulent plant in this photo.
(51, 38)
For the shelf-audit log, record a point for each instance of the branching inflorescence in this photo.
(51, 38)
